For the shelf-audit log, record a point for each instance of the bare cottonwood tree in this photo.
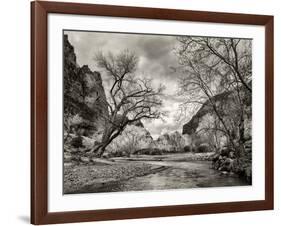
(214, 67)
(130, 97)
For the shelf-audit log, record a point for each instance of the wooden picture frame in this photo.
(39, 112)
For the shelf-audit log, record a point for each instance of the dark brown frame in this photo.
(39, 109)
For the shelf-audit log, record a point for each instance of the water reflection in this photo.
(177, 175)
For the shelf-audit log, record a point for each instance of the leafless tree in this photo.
(213, 67)
(131, 143)
(130, 97)
(221, 54)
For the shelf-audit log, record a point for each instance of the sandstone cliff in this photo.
(84, 97)
(226, 104)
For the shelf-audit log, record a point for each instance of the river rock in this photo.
(85, 159)
(68, 164)
(77, 142)
(67, 157)
(224, 173)
(224, 151)
(231, 155)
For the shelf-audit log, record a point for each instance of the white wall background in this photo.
(15, 113)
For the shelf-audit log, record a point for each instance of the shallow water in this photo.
(176, 175)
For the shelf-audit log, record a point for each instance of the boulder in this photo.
(106, 155)
(231, 155)
(224, 173)
(225, 151)
(67, 157)
(85, 159)
(75, 158)
(68, 164)
(77, 142)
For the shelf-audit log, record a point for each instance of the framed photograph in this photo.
(147, 112)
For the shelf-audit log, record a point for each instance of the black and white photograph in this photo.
(145, 112)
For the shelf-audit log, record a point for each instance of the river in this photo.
(176, 175)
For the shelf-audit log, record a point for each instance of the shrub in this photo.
(77, 142)
(225, 151)
(156, 151)
(187, 148)
(203, 148)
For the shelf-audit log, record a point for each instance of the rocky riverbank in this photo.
(228, 161)
(82, 178)
(177, 157)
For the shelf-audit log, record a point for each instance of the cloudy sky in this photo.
(156, 60)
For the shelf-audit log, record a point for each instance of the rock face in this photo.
(172, 142)
(191, 127)
(135, 139)
(226, 104)
(84, 98)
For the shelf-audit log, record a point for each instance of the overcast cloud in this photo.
(156, 60)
